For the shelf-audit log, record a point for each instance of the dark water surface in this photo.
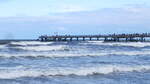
(91, 62)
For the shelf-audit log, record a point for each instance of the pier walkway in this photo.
(136, 37)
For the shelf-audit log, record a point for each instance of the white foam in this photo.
(132, 44)
(49, 55)
(78, 54)
(24, 43)
(13, 67)
(81, 71)
(42, 48)
(2, 46)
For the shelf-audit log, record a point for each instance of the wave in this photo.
(130, 44)
(42, 48)
(25, 43)
(58, 71)
(2, 46)
(65, 54)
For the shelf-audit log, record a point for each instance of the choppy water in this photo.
(91, 62)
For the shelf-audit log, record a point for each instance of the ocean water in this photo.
(85, 62)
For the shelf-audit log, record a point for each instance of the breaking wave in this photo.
(129, 44)
(2, 46)
(58, 71)
(42, 48)
(26, 43)
(54, 54)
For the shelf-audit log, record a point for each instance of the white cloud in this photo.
(124, 15)
(64, 8)
(72, 15)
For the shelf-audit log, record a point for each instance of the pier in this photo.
(136, 37)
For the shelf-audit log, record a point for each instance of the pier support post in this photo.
(118, 39)
(59, 39)
(105, 39)
(142, 39)
(97, 38)
(65, 39)
(126, 39)
(83, 38)
(42, 39)
(54, 39)
(90, 38)
(77, 38)
(71, 39)
(130, 39)
(114, 39)
(46, 39)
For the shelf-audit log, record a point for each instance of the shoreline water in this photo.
(75, 62)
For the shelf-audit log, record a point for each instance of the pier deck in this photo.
(110, 37)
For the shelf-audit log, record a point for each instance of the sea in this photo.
(76, 62)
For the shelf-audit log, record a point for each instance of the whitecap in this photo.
(2, 46)
(42, 48)
(78, 54)
(131, 44)
(80, 71)
(25, 43)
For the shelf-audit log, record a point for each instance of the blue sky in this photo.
(31, 18)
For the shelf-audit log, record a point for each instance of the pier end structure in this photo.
(136, 37)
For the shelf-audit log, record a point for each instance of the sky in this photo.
(28, 19)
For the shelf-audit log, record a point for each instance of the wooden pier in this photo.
(136, 37)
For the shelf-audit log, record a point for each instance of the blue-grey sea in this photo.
(83, 62)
